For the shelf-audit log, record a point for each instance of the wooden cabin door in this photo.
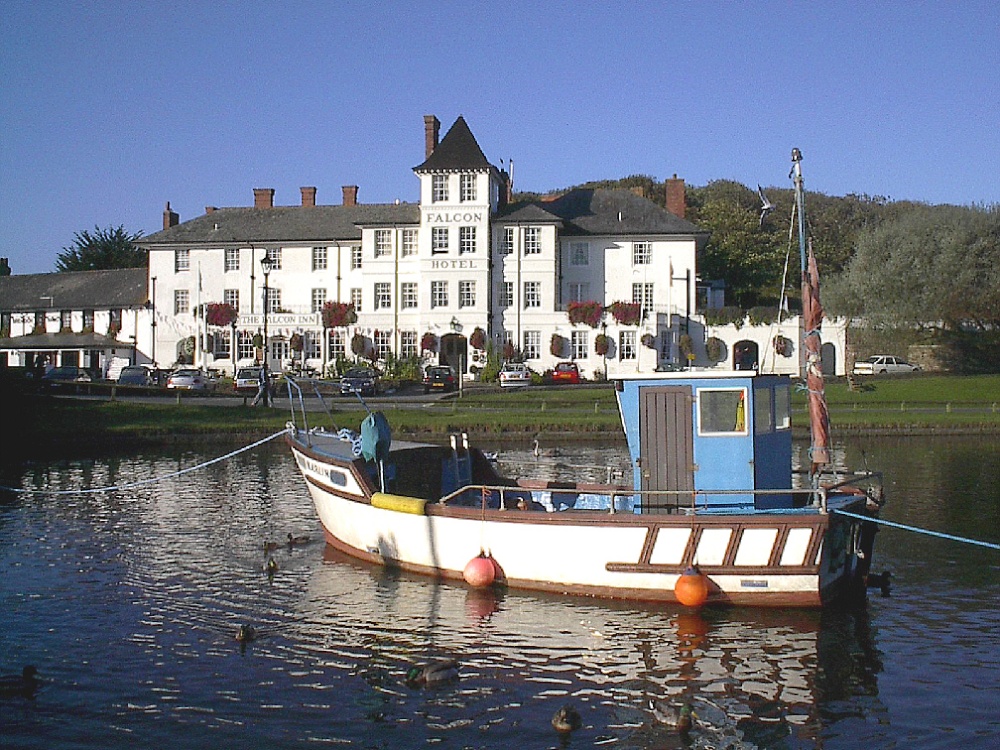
(666, 458)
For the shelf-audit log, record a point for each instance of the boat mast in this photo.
(812, 345)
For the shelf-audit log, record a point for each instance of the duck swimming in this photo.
(270, 546)
(24, 684)
(246, 633)
(271, 567)
(433, 673)
(566, 719)
(293, 540)
(681, 719)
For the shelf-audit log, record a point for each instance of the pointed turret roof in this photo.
(457, 150)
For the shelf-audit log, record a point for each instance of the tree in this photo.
(102, 250)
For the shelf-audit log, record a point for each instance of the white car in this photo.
(514, 375)
(882, 364)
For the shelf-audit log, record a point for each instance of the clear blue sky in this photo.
(110, 109)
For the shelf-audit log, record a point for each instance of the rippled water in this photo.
(128, 603)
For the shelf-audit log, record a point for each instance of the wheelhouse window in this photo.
(232, 262)
(722, 411)
(532, 241)
(763, 412)
(319, 258)
(182, 260)
(782, 407)
(439, 188)
(642, 254)
(468, 188)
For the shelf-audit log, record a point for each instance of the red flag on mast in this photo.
(819, 415)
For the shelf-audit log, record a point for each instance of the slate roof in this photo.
(75, 290)
(61, 340)
(286, 224)
(599, 211)
(457, 150)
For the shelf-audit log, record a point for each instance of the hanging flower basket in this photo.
(782, 346)
(429, 342)
(338, 314)
(627, 313)
(601, 344)
(296, 342)
(558, 345)
(478, 339)
(359, 345)
(648, 340)
(220, 314)
(589, 313)
(715, 348)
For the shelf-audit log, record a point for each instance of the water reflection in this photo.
(129, 604)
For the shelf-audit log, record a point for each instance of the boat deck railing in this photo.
(297, 406)
(686, 502)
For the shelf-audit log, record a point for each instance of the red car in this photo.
(566, 372)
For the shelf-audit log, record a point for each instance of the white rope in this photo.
(143, 482)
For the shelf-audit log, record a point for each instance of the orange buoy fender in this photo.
(691, 588)
(480, 571)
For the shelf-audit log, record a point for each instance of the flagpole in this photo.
(198, 357)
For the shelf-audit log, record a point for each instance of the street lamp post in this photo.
(152, 323)
(265, 266)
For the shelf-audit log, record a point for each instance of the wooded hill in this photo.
(907, 272)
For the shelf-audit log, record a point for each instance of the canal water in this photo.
(128, 603)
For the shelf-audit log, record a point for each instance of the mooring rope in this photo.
(917, 529)
(143, 482)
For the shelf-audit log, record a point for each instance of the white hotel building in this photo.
(463, 257)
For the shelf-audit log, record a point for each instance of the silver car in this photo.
(189, 379)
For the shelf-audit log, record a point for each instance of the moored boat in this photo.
(713, 494)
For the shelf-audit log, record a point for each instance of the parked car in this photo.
(188, 379)
(566, 372)
(514, 375)
(882, 364)
(67, 373)
(440, 378)
(361, 380)
(247, 380)
(135, 375)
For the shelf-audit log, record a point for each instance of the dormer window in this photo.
(439, 188)
(468, 188)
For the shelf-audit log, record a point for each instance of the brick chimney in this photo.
(350, 195)
(308, 196)
(676, 197)
(170, 218)
(263, 197)
(210, 209)
(431, 128)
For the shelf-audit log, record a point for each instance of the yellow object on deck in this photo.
(399, 503)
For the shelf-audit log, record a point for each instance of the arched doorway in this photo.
(746, 355)
(454, 351)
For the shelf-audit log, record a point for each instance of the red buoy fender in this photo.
(691, 588)
(479, 571)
